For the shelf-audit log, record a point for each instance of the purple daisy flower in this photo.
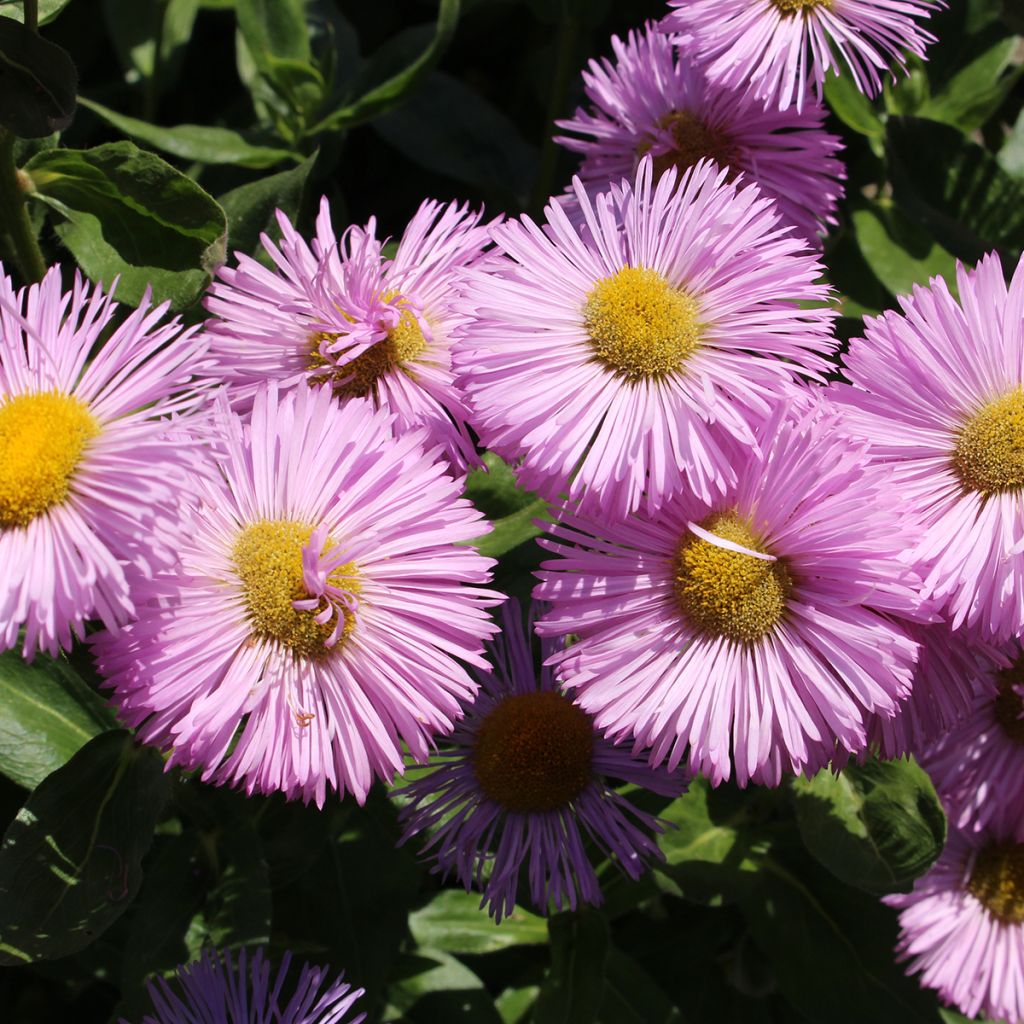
(978, 767)
(324, 595)
(652, 100)
(525, 783)
(343, 314)
(779, 49)
(89, 478)
(215, 989)
(622, 361)
(962, 927)
(755, 630)
(939, 393)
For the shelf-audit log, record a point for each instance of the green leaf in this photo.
(393, 91)
(954, 189)
(515, 1004)
(852, 107)
(877, 826)
(450, 129)
(976, 91)
(39, 83)
(1011, 156)
(573, 989)
(70, 863)
(432, 987)
(273, 28)
(899, 253)
(511, 509)
(129, 213)
(454, 921)
(250, 208)
(150, 36)
(195, 142)
(48, 9)
(631, 995)
(47, 713)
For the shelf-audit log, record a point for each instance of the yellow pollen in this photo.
(727, 593)
(403, 345)
(534, 752)
(997, 881)
(989, 452)
(42, 439)
(790, 7)
(1009, 704)
(641, 327)
(268, 559)
(692, 140)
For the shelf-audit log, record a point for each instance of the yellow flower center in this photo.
(989, 451)
(42, 440)
(997, 881)
(534, 752)
(790, 7)
(1009, 705)
(727, 593)
(268, 559)
(404, 344)
(639, 325)
(692, 140)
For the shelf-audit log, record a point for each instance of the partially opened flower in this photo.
(373, 327)
(623, 360)
(978, 767)
(779, 49)
(656, 100)
(218, 989)
(755, 633)
(89, 478)
(322, 605)
(962, 927)
(525, 785)
(939, 393)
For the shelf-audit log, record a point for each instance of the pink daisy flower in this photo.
(89, 478)
(653, 100)
(962, 927)
(525, 784)
(939, 393)
(216, 989)
(623, 360)
(781, 48)
(754, 630)
(978, 767)
(344, 314)
(324, 595)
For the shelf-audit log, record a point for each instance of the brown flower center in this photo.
(692, 140)
(989, 452)
(997, 881)
(534, 752)
(790, 7)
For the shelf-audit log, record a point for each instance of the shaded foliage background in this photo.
(195, 119)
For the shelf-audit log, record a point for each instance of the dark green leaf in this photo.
(38, 83)
(877, 826)
(899, 253)
(454, 922)
(128, 212)
(47, 713)
(515, 1004)
(511, 509)
(852, 107)
(511, 531)
(250, 208)
(432, 987)
(48, 9)
(70, 863)
(273, 28)
(197, 142)
(631, 996)
(448, 128)
(139, 27)
(573, 989)
(390, 93)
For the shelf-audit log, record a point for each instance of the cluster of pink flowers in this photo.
(753, 571)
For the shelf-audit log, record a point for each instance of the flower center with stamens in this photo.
(639, 325)
(726, 593)
(1009, 703)
(997, 881)
(358, 378)
(989, 451)
(692, 141)
(268, 559)
(790, 7)
(534, 752)
(42, 440)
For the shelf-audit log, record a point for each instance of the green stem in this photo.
(32, 15)
(559, 90)
(14, 218)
